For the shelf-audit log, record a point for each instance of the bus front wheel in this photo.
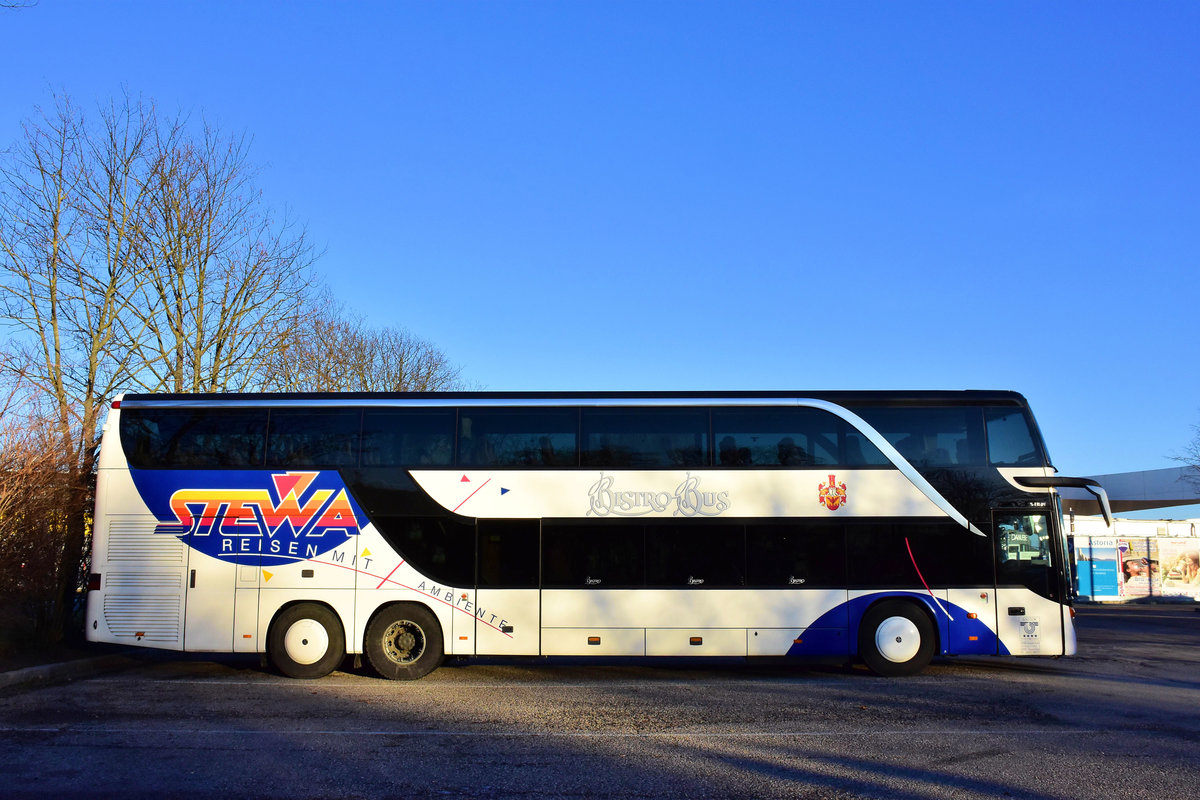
(896, 638)
(306, 641)
(404, 642)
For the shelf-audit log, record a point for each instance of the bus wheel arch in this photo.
(404, 641)
(306, 640)
(897, 637)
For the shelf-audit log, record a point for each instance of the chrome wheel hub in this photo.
(403, 642)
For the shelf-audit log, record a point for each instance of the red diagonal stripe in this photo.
(472, 494)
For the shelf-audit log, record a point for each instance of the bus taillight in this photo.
(94, 582)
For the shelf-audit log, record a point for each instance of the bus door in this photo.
(221, 608)
(209, 587)
(1028, 592)
(507, 597)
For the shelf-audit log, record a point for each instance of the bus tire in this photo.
(896, 638)
(306, 641)
(404, 642)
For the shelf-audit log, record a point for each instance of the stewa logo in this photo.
(686, 501)
(288, 516)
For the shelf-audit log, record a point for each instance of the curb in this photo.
(46, 674)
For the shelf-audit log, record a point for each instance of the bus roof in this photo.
(855, 397)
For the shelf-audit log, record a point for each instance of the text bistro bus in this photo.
(884, 526)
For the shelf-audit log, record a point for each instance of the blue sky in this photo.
(710, 195)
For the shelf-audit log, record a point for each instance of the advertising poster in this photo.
(1096, 568)
(1179, 561)
(1139, 567)
(1130, 568)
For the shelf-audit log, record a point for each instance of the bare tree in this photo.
(69, 208)
(67, 200)
(404, 362)
(132, 255)
(224, 279)
(331, 350)
(1190, 459)
(136, 254)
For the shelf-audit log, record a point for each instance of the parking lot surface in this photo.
(1121, 720)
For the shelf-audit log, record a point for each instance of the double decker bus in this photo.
(887, 527)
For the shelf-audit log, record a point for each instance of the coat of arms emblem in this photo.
(832, 495)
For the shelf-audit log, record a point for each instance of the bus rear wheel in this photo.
(896, 638)
(306, 641)
(404, 642)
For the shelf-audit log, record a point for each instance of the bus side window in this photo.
(441, 549)
(597, 556)
(407, 438)
(313, 437)
(187, 438)
(517, 437)
(911, 554)
(795, 555)
(930, 436)
(508, 553)
(789, 437)
(216, 438)
(696, 555)
(644, 437)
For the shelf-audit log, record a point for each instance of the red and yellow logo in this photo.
(832, 495)
(282, 516)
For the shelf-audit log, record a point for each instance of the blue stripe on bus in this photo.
(835, 632)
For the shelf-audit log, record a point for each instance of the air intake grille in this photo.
(157, 619)
(142, 583)
(135, 540)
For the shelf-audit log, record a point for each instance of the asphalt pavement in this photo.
(1120, 719)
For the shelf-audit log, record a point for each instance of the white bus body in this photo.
(720, 557)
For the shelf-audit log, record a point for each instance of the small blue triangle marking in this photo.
(503, 492)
